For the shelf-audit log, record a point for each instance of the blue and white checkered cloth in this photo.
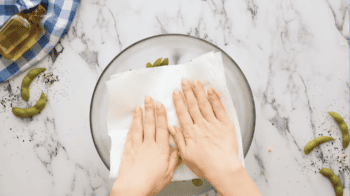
(56, 20)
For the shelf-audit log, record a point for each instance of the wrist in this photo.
(127, 189)
(235, 182)
(228, 169)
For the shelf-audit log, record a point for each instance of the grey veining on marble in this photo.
(294, 54)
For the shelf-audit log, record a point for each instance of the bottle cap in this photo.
(40, 10)
(37, 13)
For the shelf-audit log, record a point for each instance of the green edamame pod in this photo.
(149, 65)
(317, 141)
(165, 62)
(343, 127)
(27, 80)
(38, 107)
(157, 63)
(338, 188)
(197, 182)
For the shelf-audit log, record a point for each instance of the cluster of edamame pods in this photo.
(338, 188)
(39, 106)
(158, 63)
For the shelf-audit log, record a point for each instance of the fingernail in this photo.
(147, 99)
(195, 82)
(210, 91)
(158, 106)
(185, 82)
(176, 92)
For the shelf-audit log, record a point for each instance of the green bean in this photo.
(27, 80)
(197, 182)
(28, 112)
(343, 127)
(317, 141)
(338, 188)
(149, 65)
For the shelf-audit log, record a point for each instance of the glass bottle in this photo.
(19, 33)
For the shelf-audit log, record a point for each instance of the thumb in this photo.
(175, 159)
(178, 137)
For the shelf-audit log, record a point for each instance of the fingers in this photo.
(178, 137)
(203, 102)
(136, 129)
(183, 116)
(191, 101)
(217, 105)
(183, 98)
(162, 134)
(150, 120)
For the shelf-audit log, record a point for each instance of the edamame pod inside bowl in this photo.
(179, 49)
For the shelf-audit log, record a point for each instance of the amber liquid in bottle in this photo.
(20, 33)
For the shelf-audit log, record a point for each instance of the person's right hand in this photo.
(206, 138)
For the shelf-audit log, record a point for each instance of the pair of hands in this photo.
(206, 141)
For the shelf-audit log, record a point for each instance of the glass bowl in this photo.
(179, 49)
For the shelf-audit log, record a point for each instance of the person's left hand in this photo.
(148, 164)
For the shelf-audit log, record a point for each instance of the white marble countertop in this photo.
(294, 55)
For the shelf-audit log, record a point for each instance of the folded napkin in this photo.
(130, 88)
(56, 21)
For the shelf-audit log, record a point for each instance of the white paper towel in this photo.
(130, 88)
